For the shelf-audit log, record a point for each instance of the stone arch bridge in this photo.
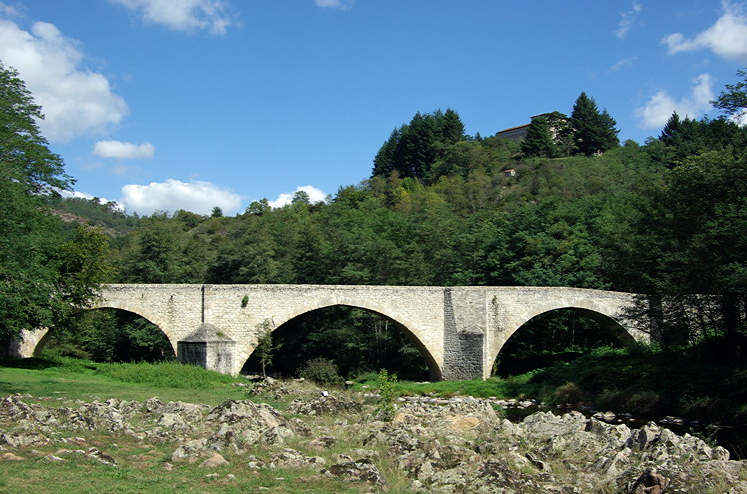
(458, 330)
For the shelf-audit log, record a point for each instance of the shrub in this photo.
(568, 394)
(386, 408)
(321, 370)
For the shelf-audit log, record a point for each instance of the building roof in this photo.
(205, 332)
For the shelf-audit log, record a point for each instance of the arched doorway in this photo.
(356, 340)
(555, 336)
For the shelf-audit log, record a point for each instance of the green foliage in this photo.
(107, 335)
(569, 394)
(356, 340)
(733, 101)
(386, 383)
(554, 337)
(266, 347)
(163, 251)
(163, 375)
(413, 148)
(44, 276)
(107, 216)
(681, 139)
(593, 132)
(321, 370)
(539, 141)
(23, 150)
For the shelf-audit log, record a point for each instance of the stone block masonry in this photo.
(459, 331)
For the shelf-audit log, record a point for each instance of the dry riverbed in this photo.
(335, 443)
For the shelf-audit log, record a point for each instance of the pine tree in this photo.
(414, 148)
(539, 140)
(386, 158)
(419, 146)
(593, 132)
(451, 127)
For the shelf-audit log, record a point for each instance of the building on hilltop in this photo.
(518, 133)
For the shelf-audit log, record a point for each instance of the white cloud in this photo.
(74, 100)
(335, 4)
(198, 197)
(727, 37)
(183, 15)
(83, 195)
(627, 19)
(740, 119)
(8, 11)
(661, 105)
(124, 150)
(621, 64)
(315, 195)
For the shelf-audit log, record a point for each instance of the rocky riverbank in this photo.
(450, 446)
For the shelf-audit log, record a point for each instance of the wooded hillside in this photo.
(665, 217)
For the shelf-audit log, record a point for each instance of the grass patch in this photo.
(78, 475)
(65, 377)
(163, 375)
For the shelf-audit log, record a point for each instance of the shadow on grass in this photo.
(33, 363)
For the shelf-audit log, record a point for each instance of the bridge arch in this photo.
(33, 342)
(401, 323)
(150, 316)
(610, 318)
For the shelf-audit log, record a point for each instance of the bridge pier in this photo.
(465, 334)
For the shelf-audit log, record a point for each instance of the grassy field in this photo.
(75, 379)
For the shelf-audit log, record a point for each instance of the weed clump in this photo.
(321, 370)
(386, 383)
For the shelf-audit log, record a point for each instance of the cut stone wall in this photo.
(458, 330)
(465, 333)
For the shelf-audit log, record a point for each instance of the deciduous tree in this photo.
(42, 275)
(733, 101)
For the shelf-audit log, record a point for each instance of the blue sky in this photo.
(169, 104)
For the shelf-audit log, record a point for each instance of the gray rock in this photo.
(98, 455)
(324, 405)
(290, 458)
(23, 439)
(190, 451)
(362, 470)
